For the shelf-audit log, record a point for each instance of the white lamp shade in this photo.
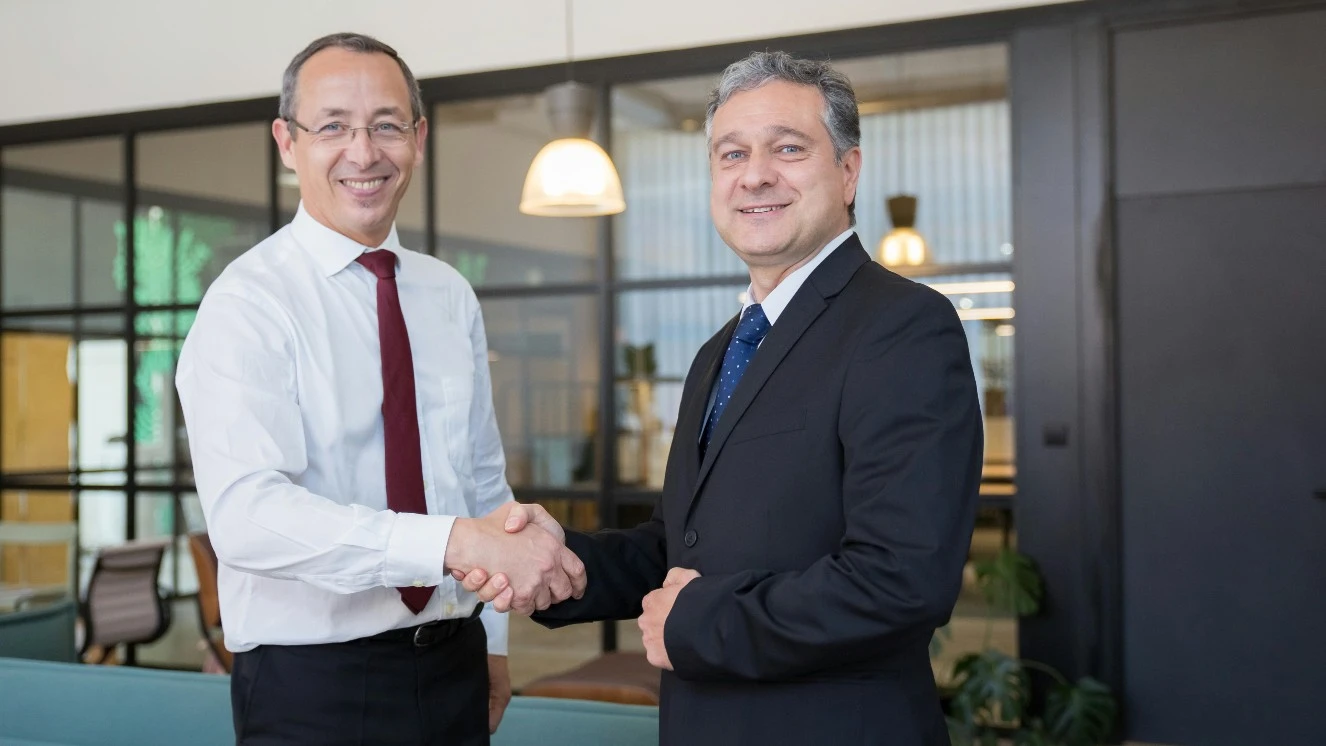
(570, 178)
(902, 247)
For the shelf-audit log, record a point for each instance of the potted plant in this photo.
(641, 370)
(991, 690)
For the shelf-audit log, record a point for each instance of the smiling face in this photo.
(352, 187)
(778, 195)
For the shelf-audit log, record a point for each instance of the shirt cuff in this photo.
(495, 625)
(417, 550)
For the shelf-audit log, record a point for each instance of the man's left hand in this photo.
(499, 690)
(657, 606)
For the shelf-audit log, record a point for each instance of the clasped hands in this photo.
(494, 587)
(523, 550)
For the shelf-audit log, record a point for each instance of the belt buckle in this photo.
(432, 633)
(422, 636)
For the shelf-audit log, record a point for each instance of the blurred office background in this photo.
(1125, 201)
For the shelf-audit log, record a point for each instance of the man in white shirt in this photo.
(340, 417)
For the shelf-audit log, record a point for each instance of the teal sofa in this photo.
(43, 703)
(44, 633)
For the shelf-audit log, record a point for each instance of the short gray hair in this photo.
(354, 43)
(841, 116)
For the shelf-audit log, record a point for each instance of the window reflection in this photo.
(60, 204)
(985, 304)
(483, 150)
(103, 366)
(543, 355)
(202, 196)
(659, 333)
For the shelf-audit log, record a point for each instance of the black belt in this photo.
(425, 635)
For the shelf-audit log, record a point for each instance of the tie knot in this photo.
(753, 325)
(381, 263)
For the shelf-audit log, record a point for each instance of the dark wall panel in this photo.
(1224, 105)
(1223, 391)
(1067, 500)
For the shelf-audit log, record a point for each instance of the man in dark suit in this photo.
(822, 485)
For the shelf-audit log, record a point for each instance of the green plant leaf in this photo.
(963, 710)
(959, 734)
(650, 362)
(640, 360)
(1011, 582)
(989, 738)
(1080, 714)
(991, 687)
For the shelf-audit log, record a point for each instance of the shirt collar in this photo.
(778, 298)
(333, 251)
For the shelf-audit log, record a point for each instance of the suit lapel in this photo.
(809, 302)
(695, 408)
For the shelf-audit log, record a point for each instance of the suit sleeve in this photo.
(621, 567)
(910, 431)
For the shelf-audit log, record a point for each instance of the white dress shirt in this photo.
(778, 298)
(280, 380)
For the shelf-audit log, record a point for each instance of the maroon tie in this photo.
(400, 420)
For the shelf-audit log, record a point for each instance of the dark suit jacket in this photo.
(830, 520)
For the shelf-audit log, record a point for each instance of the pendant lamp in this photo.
(571, 177)
(902, 246)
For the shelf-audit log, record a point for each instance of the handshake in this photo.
(515, 558)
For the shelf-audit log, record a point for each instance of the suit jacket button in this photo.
(690, 538)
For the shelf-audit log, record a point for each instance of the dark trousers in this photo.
(389, 689)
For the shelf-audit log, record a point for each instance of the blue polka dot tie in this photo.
(750, 332)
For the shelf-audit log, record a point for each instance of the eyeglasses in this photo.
(337, 134)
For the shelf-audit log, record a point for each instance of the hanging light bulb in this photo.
(902, 246)
(571, 177)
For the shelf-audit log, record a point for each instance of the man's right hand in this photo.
(524, 567)
(494, 588)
